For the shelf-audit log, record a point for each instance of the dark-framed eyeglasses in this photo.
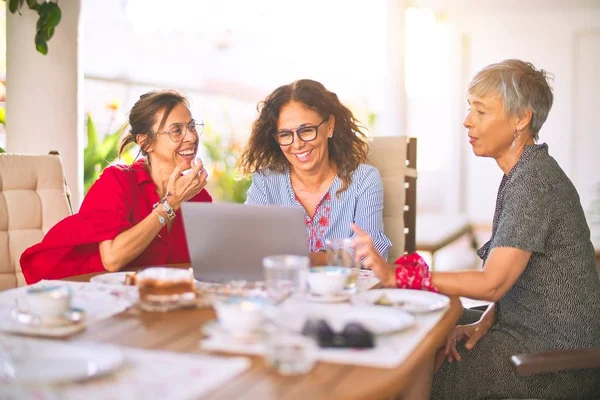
(306, 133)
(178, 131)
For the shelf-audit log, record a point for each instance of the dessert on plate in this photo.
(160, 284)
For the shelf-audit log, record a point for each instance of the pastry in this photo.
(165, 284)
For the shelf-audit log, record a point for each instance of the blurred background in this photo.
(401, 66)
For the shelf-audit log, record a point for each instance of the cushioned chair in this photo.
(33, 197)
(396, 159)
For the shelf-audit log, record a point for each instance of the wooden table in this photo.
(180, 331)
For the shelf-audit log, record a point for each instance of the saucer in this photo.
(70, 317)
(328, 298)
(214, 329)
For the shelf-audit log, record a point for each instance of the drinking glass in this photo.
(285, 275)
(288, 352)
(341, 254)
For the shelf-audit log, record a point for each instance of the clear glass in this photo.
(289, 353)
(285, 275)
(341, 254)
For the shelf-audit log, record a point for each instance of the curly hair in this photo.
(347, 148)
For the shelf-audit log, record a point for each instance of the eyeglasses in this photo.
(306, 133)
(178, 131)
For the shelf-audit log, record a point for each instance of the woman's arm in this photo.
(489, 317)
(318, 258)
(257, 194)
(128, 245)
(368, 214)
(503, 267)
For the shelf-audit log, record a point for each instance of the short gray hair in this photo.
(521, 87)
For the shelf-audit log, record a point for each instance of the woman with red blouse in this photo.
(130, 216)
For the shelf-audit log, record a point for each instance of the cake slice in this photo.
(165, 284)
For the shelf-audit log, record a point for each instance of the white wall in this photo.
(565, 42)
(43, 110)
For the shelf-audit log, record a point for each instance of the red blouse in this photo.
(119, 199)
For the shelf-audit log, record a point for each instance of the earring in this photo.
(516, 137)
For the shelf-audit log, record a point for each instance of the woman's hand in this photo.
(366, 254)
(472, 333)
(183, 188)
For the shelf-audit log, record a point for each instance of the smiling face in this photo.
(305, 156)
(176, 147)
(491, 132)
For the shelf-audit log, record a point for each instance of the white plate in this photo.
(57, 362)
(414, 301)
(214, 328)
(111, 278)
(378, 320)
(330, 298)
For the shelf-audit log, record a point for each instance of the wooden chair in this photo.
(555, 361)
(396, 159)
(33, 198)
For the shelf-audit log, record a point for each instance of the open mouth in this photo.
(187, 153)
(303, 156)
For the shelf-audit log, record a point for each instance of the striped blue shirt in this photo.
(361, 203)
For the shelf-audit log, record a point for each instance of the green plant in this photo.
(224, 182)
(99, 154)
(49, 17)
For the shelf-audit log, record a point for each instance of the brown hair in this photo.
(348, 147)
(142, 116)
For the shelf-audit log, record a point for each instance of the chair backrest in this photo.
(396, 159)
(33, 198)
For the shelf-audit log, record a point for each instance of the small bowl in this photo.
(328, 280)
(48, 301)
(240, 315)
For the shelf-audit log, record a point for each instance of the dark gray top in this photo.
(555, 303)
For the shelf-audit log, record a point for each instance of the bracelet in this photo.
(413, 273)
(168, 209)
(161, 219)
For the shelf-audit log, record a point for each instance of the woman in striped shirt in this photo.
(306, 150)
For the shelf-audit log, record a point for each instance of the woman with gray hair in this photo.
(538, 267)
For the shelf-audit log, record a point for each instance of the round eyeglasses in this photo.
(306, 133)
(178, 131)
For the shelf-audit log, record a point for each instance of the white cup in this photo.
(328, 280)
(240, 315)
(48, 301)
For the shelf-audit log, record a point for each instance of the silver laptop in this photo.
(228, 241)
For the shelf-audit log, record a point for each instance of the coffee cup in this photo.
(240, 315)
(328, 280)
(48, 301)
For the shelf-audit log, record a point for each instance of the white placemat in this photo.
(98, 300)
(146, 374)
(389, 352)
